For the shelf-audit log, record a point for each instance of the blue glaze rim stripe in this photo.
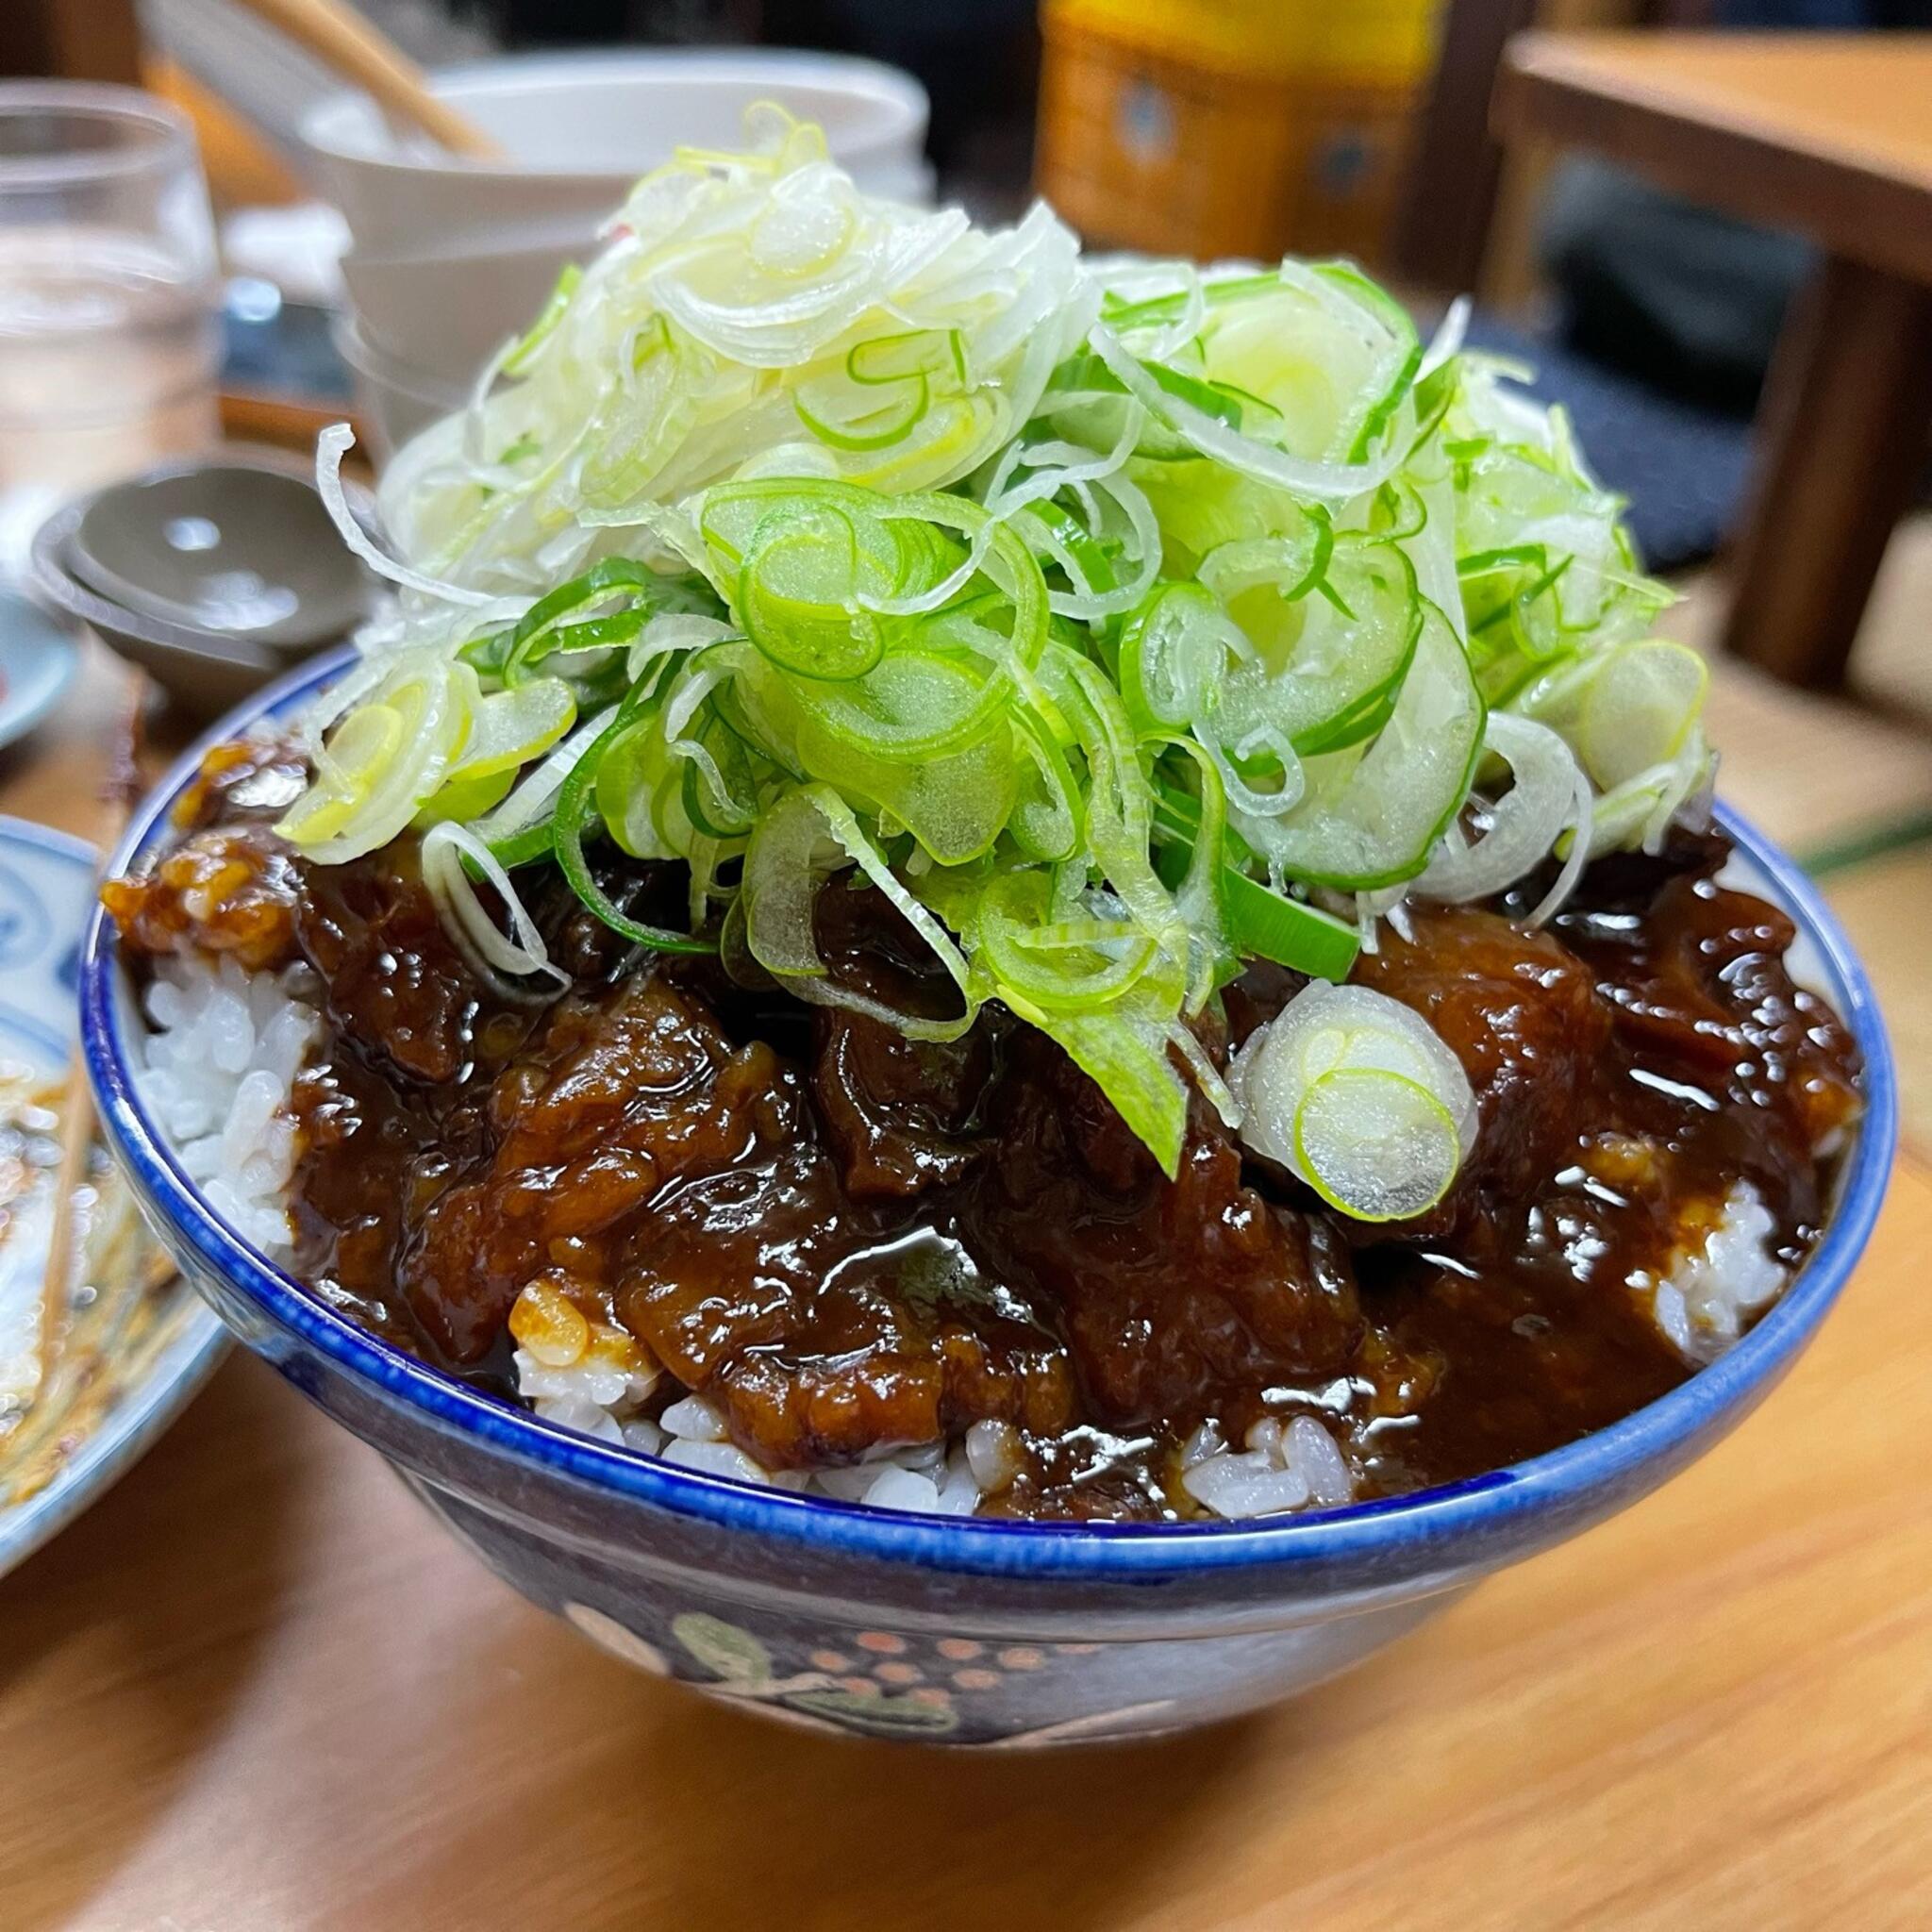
(1554, 1486)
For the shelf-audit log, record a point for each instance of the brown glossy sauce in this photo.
(843, 1239)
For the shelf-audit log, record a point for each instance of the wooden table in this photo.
(1831, 137)
(256, 1689)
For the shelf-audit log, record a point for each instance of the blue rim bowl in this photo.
(466, 1450)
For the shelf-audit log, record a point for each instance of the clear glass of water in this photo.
(109, 343)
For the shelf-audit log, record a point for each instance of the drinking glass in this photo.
(109, 343)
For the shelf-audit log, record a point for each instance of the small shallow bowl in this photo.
(237, 546)
(38, 661)
(1015, 1634)
(203, 672)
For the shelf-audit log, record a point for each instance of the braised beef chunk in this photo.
(1522, 1014)
(396, 984)
(1700, 983)
(372, 1162)
(824, 1330)
(845, 1239)
(230, 885)
(248, 781)
(1178, 1298)
(901, 1114)
(231, 890)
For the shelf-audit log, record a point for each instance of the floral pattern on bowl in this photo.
(881, 1684)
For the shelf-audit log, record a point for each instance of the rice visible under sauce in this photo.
(221, 1066)
(1293, 1465)
(220, 1062)
(1714, 1287)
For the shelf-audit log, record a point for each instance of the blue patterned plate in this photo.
(90, 1375)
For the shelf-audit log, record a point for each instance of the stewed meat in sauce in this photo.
(843, 1239)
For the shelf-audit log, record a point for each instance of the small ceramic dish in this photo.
(203, 672)
(236, 545)
(91, 1370)
(967, 1631)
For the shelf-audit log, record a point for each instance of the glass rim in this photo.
(171, 142)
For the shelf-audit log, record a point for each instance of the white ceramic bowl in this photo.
(582, 127)
(444, 315)
(395, 400)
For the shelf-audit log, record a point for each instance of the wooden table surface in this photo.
(256, 1688)
(1826, 134)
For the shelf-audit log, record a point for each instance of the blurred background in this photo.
(1707, 223)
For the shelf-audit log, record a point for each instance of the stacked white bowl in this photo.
(448, 257)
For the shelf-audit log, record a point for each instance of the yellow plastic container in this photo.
(1364, 43)
(1231, 127)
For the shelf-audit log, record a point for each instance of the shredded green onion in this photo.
(1111, 619)
(566, 842)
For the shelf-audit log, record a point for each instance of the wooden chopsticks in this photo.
(339, 36)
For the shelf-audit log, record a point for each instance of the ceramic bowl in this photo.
(204, 673)
(443, 316)
(240, 548)
(966, 1632)
(580, 129)
(395, 400)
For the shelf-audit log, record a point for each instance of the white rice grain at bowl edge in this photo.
(219, 1064)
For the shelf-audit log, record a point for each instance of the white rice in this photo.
(1293, 1465)
(1285, 1466)
(219, 1069)
(221, 1063)
(936, 1477)
(1717, 1285)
